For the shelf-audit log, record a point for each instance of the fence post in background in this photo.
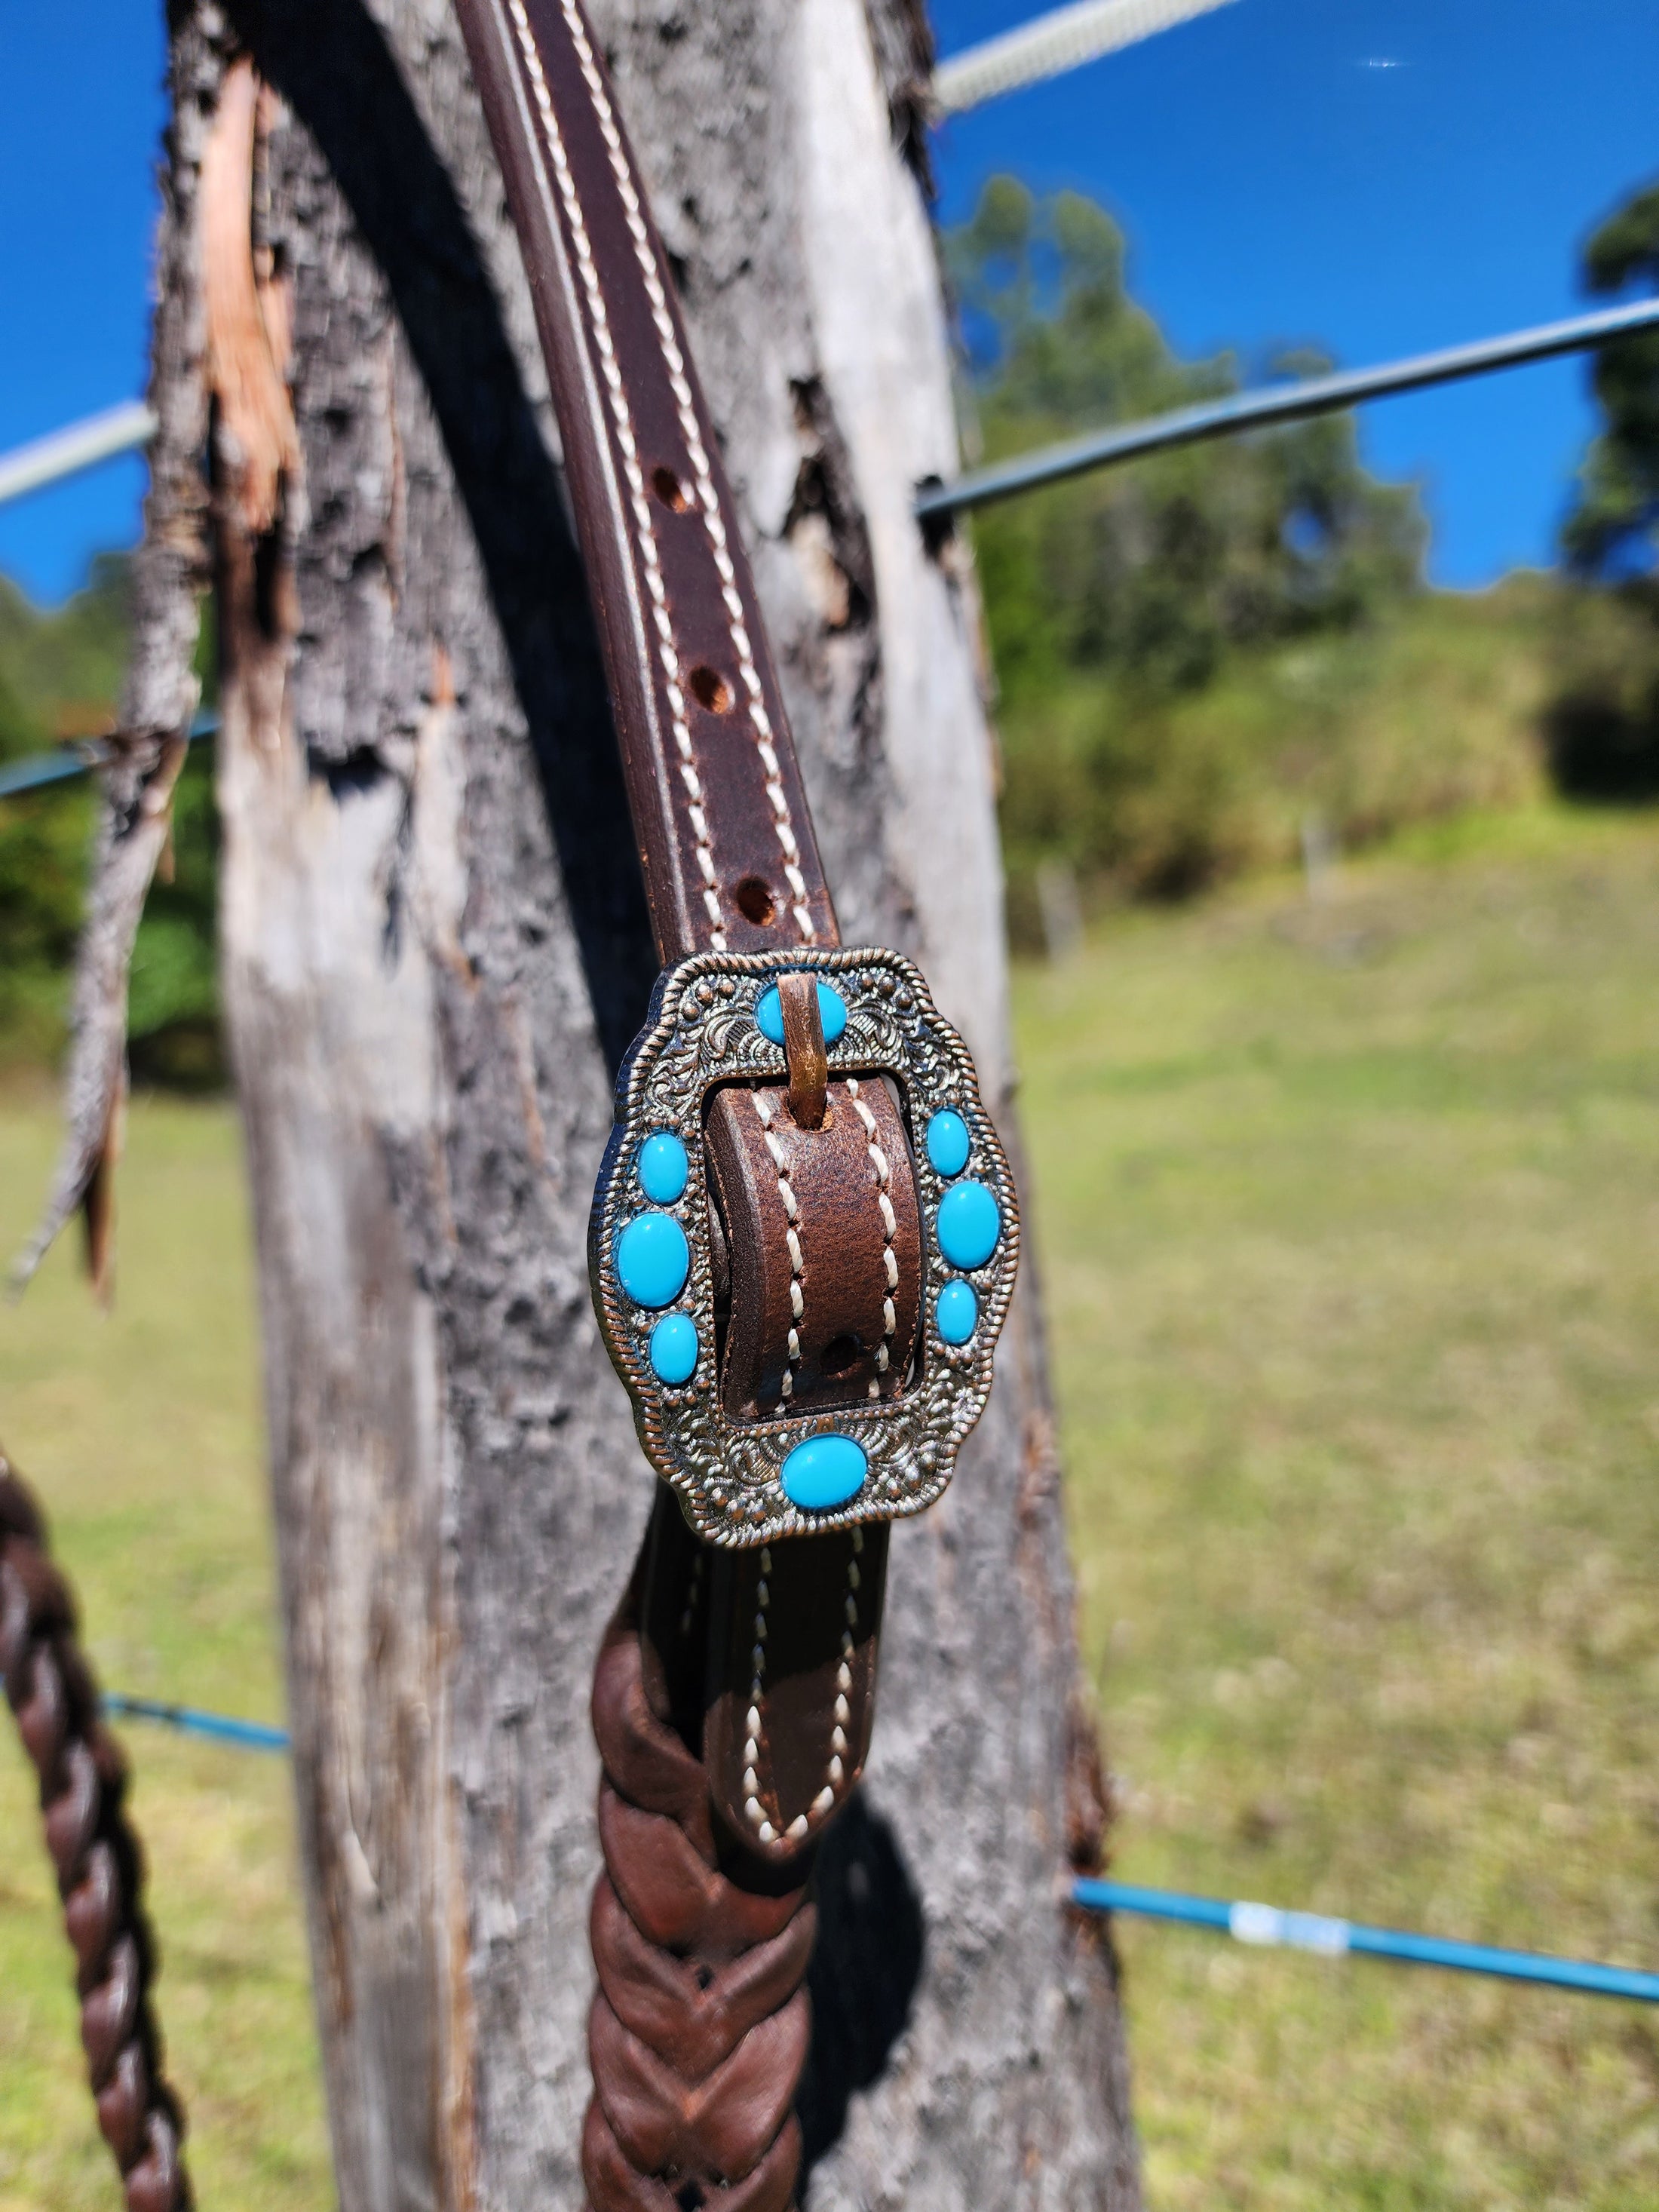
(1319, 856)
(1060, 907)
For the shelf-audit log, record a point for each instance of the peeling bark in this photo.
(436, 949)
(160, 695)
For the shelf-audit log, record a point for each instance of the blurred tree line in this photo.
(60, 675)
(1158, 570)
(1200, 657)
(1205, 655)
(1603, 724)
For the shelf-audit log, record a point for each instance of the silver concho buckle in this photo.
(744, 1483)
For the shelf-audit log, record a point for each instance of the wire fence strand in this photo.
(36, 770)
(79, 445)
(1262, 1925)
(1052, 44)
(1280, 403)
(1248, 1923)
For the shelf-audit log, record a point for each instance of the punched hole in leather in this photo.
(755, 901)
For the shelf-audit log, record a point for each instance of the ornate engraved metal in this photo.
(701, 1033)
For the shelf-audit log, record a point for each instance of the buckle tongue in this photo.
(803, 1049)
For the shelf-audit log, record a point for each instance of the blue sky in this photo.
(80, 118)
(1374, 176)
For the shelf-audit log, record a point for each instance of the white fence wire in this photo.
(1053, 44)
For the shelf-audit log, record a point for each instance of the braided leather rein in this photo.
(95, 1852)
(804, 1238)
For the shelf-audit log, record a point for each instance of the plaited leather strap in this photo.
(95, 1854)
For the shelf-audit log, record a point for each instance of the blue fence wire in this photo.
(1334, 1938)
(37, 769)
(1295, 402)
(250, 1735)
(1246, 1923)
(65, 452)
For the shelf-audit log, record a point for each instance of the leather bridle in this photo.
(801, 1169)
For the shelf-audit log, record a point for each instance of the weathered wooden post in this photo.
(435, 951)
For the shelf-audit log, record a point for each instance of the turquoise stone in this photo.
(832, 1013)
(947, 1143)
(674, 1349)
(652, 1259)
(970, 1224)
(824, 1472)
(956, 1312)
(664, 1168)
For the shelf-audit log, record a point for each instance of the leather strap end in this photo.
(792, 1684)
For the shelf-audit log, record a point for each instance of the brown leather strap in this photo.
(698, 2030)
(735, 1694)
(97, 1858)
(718, 804)
(786, 1735)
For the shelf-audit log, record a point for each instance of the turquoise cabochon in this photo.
(970, 1224)
(653, 1260)
(832, 1013)
(948, 1143)
(957, 1312)
(664, 1168)
(824, 1472)
(674, 1348)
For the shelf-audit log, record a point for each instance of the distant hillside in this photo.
(1435, 705)
(1213, 652)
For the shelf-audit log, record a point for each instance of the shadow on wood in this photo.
(331, 64)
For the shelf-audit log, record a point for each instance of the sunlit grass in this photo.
(1350, 1222)
(141, 1433)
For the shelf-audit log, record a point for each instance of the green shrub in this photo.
(1209, 656)
(60, 675)
(1433, 709)
(1601, 727)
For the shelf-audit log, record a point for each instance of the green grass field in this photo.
(141, 1433)
(1348, 1216)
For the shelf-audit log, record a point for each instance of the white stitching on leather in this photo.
(824, 1802)
(644, 530)
(708, 496)
(753, 1809)
(889, 1227)
(797, 1261)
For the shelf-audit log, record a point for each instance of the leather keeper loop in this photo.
(825, 1235)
